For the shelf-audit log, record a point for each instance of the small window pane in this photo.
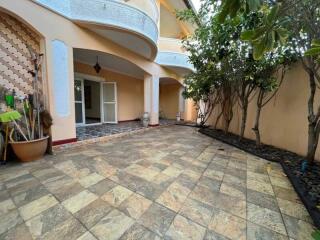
(77, 90)
(109, 112)
(108, 93)
(79, 118)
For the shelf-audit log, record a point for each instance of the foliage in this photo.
(316, 235)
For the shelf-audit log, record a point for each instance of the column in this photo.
(151, 98)
(181, 103)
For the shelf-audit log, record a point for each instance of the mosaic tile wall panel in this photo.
(15, 58)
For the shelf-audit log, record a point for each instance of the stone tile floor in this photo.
(167, 183)
(95, 131)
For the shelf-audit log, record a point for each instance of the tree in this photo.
(304, 26)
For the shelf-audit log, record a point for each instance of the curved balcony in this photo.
(172, 55)
(124, 24)
(148, 6)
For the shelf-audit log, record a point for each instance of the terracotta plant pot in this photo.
(30, 150)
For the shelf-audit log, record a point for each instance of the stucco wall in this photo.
(129, 91)
(284, 120)
(169, 100)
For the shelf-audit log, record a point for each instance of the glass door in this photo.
(79, 105)
(109, 102)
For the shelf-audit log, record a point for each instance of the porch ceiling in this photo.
(108, 62)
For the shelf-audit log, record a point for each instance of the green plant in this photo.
(316, 235)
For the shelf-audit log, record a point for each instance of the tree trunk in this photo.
(312, 143)
(217, 120)
(243, 119)
(312, 131)
(256, 126)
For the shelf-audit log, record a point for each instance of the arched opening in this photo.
(110, 95)
(171, 102)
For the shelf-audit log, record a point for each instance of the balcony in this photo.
(126, 25)
(172, 55)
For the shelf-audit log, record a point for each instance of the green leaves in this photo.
(315, 49)
(316, 235)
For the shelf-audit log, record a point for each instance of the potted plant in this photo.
(28, 121)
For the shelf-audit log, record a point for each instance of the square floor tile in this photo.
(37, 206)
(255, 232)
(90, 180)
(139, 232)
(183, 228)
(228, 225)
(293, 209)
(116, 195)
(197, 211)
(93, 213)
(79, 201)
(112, 226)
(157, 218)
(9, 220)
(298, 229)
(266, 217)
(135, 206)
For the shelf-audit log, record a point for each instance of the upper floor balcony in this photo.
(130, 23)
(171, 54)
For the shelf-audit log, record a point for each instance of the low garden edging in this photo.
(307, 185)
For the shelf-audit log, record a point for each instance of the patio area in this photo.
(166, 183)
(96, 131)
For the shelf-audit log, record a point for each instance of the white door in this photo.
(79, 101)
(109, 99)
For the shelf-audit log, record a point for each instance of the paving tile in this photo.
(255, 232)
(17, 233)
(172, 171)
(228, 225)
(6, 206)
(116, 195)
(280, 182)
(102, 187)
(262, 200)
(86, 236)
(210, 183)
(112, 226)
(135, 206)
(37, 206)
(29, 195)
(286, 194)
(139, 232)
(197, 211)
(139, 171)
(174, 196)
(298, 229)
(163, 180)
(220, 200)
(9, 220)
(47, 220)
(90, 180)
(79, 201)
(91, 214)
(210, 235)
(233, 180)
(214, 174)
(67, 189)
(260, 187)
(234, 191)
(293, 209)
(157, 218)
(183, 228)
(266, 217)
(70, 229)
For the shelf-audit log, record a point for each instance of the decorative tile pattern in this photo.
(181, 186)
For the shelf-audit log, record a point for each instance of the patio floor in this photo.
(167, 183)
(95, 131)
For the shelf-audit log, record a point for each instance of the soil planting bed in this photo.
(307, 184)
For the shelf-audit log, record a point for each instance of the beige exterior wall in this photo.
(129, 91)
(170, 45)
(57, 28)
(169, 100)
(284, 120)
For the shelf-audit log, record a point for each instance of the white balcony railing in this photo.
(107, 12)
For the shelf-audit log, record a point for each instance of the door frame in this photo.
(82, 101)
(115, 99)
(82, 77)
